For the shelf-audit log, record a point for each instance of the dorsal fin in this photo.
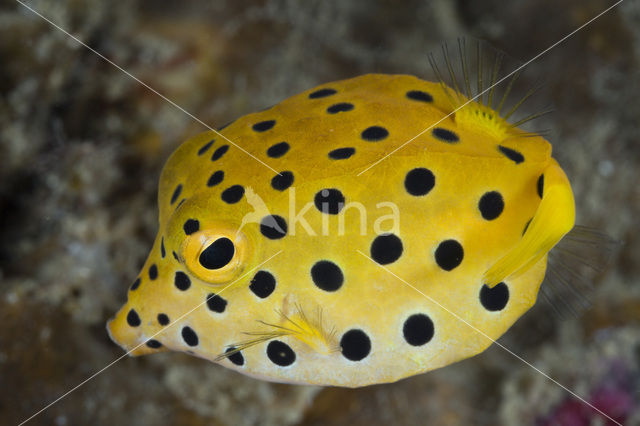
(493, 103)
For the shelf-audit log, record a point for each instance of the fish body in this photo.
(334, 272)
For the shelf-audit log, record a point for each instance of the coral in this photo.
(602, 369)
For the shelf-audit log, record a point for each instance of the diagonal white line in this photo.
(257, 159)
(53, 24)
(97, 373)
(493, 341)
(493, 85)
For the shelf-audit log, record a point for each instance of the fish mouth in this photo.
(132, 341)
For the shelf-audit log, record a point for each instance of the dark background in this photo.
(82, 144)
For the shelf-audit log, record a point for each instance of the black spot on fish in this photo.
(133, 319)
(419, 95)
(189, 336)
(322, 93)
(386, 248)
(341, 107)
(135, 284)
(445, 135)
(205, 147)
(216, 303)
(418, 329)
(449, 254)
(176, 193)
(496, 298)
(355, 345)
(374, 134)
(233, 194)
(419, 181)
(273, 227)
(540, 185)
(278, 150)
(263, 126)
(163, 319)
(329, 200)
(280, 353)
(154, 344)
(341, 153)
(181, 281)
(263, 284)
(491, 205)
(327, 275)
(282, 181)
(191, 226)
(218, 153)
(153, 272)
(511, 154)
(236, 358)
(215, 178)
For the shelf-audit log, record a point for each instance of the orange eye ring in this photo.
(216, 255)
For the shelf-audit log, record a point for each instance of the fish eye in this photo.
(218, 254)
(215, 255)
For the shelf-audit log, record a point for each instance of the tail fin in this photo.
(573, 262)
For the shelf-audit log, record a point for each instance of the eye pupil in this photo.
(218, 254)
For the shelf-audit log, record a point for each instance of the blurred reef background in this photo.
(82, 145)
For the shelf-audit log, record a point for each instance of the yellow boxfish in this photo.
(395, 226)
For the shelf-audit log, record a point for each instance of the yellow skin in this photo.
(370, 298)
